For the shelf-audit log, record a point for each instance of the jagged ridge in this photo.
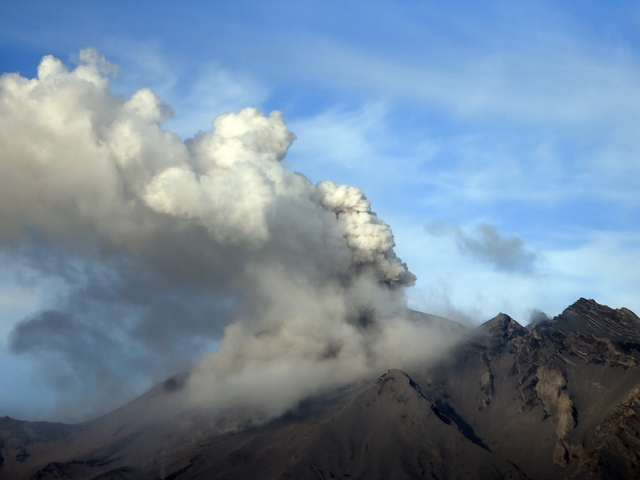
(558, 401)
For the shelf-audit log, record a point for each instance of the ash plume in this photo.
(205, 254)
(487, 244)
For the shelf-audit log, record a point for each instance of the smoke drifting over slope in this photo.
(168, 248)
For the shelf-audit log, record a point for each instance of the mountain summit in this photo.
(560, 399)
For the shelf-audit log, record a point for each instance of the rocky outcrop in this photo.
(552, 391)
(616, 453)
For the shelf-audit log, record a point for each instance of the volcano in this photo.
(559, 399)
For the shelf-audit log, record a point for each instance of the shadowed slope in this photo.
(558, 401)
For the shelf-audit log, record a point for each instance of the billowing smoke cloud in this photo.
(537, 317)
(488, 245)
(171, 249)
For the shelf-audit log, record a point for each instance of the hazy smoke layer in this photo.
(486, 243)
(166, 248)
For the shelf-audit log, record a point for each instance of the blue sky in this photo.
(497, 139)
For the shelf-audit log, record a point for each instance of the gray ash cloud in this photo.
(204, 254)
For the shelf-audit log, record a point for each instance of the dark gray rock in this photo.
(561, 400)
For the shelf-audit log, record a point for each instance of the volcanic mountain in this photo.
(560, 399)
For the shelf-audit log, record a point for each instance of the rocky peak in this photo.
(584, 304)
(399, 385)
(502, 328)
(588, 316)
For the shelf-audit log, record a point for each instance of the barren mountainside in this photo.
(558, 400)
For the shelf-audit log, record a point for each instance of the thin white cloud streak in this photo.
(197, 93)
(342, 138)
(565, 86)
(356, 145)
(571, 94)
(214, 90)
(469, 169)
(472, 67)
(556, 80)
